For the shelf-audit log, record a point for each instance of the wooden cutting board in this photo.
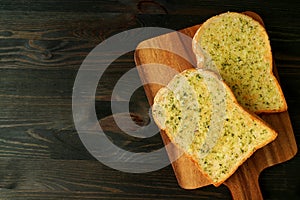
(243, 184)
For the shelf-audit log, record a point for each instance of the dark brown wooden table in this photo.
(42, 45)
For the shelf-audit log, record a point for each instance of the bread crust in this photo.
(241, 109)
(268, 55)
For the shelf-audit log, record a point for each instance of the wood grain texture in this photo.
(81, 179)
(42, 45)
(244, 183)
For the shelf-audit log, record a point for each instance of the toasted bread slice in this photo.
(200, 114)
(237, 47)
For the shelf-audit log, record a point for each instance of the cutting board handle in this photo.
(244, 185)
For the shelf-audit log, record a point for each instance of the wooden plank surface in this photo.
(244, 183)
(42, 45)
